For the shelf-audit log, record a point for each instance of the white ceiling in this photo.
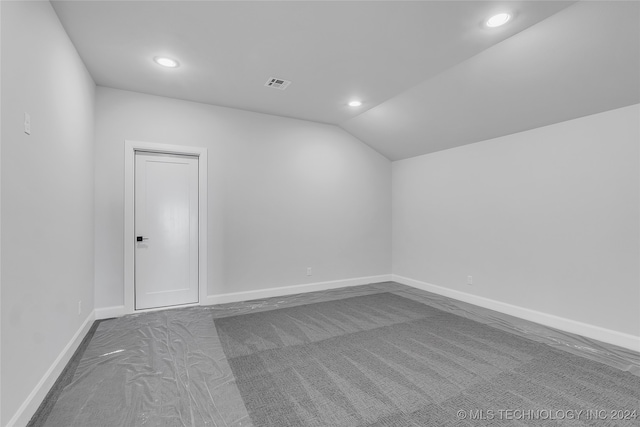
(581, 61)
(431, 76)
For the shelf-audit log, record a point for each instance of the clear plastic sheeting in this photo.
(167, 368)
(158, 369)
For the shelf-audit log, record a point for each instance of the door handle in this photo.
(140, 238)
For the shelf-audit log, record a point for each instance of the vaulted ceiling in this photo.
(430, 74)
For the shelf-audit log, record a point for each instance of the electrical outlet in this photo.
(469, 280)
(308, 271)
(79, 307)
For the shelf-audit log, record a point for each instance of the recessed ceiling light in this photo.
(166, 62)
(497, 20)
(355, 103)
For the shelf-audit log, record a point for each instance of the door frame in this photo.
(130, 149)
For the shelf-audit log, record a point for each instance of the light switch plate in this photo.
(27, 123)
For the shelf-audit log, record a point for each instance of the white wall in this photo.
(284, 194)
(47, 197)
(546, 219)
(1, 423)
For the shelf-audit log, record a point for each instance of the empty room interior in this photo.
(319, 213)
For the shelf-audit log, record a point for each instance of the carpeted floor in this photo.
(384, 360)
(380, 354)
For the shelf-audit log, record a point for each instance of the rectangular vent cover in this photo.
(277, 83)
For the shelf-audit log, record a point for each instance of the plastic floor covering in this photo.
(167, 368)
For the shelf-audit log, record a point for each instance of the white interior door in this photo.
(166, 230)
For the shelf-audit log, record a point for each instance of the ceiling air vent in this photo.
(277, 83)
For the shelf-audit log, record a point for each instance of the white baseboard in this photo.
(109, 312)
(590, 331)
(294, 289)
(35, 398)
(119, 310)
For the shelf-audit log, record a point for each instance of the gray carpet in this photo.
(383, 360)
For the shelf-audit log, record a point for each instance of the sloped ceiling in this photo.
(581, 61)
(431, 76)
